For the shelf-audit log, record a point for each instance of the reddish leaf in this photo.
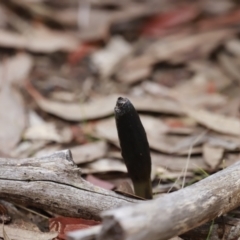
(99, 182)
(232, 18)
(211, 87)
(65, 224)
(83, 50)
(174, 123)
(159, 23)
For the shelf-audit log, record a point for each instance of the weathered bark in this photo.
(221, 228)
(54, 183)
(174, 213)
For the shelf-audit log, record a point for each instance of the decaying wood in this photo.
(54, 183)
(174, 213)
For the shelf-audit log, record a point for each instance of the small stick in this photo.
(135, 147)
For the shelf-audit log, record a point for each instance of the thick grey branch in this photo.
(54, 183)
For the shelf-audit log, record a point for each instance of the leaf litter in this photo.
(63, 66)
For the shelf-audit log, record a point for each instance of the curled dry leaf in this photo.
(107, 59)
(15, 69)
(212, 155)
(89, 152)
(12, 118)
(213, 121)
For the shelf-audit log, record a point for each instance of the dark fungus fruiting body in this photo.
(135, 147)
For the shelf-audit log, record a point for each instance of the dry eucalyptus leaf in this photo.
(89, 152)
(177, 49)
(16, 232)
(189, 142)
(106, 129)
(97, 108)
(104, 165)
(156, 104)
(229, 64)
(216, 122)
(102, 106)
(178, 163)
(207, 72)
(212, 155)
(233, 46)
(39, 39)
(15, 69)
(105, 60)
(12, 118)
(172, 175)
(97, 25)
(47, 151)
(134, 69)
(27, 148)
(48, 132)
(226, 142)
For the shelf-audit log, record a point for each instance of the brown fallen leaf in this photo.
(212, 155)
(66, 224)
(125, 187)
(89, 152)
(213, 121)
(12, 118)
